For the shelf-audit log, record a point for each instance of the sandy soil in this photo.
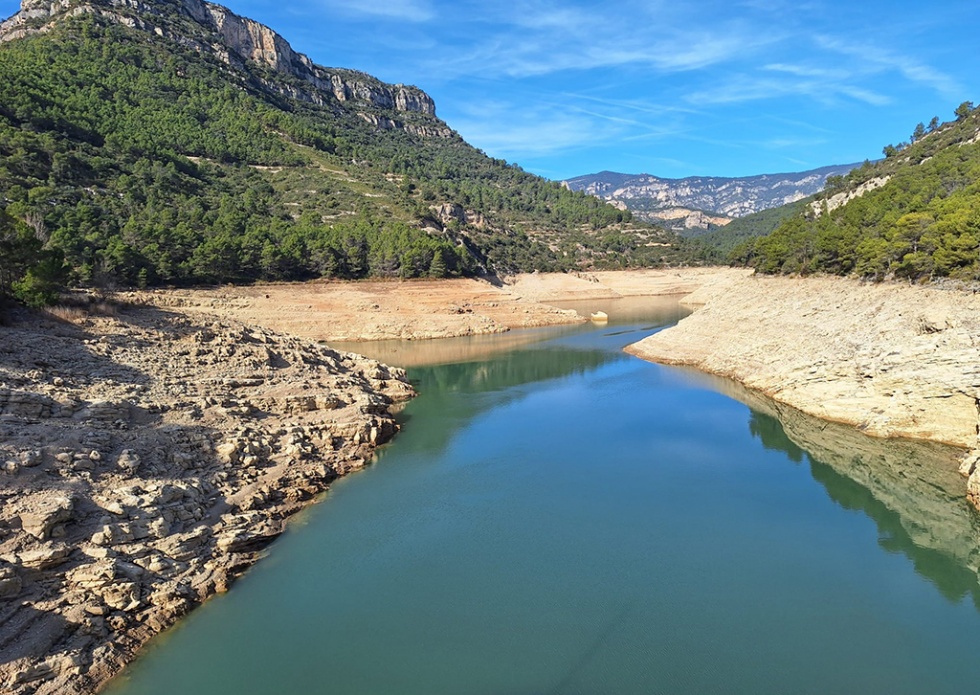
(379, 310)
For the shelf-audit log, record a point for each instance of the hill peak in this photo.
(241, 43)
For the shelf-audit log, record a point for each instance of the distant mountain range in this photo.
(700, 202)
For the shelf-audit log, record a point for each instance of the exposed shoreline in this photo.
(149, 453)
(891, 359)
(148, 457)
(372, 310)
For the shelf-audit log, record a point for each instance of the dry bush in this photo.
(105, 308)
(77, 307)
(67, 313)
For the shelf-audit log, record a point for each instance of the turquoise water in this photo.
(559, 517)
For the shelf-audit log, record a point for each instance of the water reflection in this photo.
(910, 489)
(487, 384)
(493, 370)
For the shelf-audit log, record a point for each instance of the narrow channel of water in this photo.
(559, 517)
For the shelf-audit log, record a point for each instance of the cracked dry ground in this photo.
(146, 461)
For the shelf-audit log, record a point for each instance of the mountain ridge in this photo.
(914, 215)
(696, 198)
(247, 40)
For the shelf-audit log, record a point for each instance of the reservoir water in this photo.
(558, 517)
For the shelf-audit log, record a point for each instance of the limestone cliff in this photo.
(241, 42)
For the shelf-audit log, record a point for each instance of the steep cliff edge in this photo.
(892, 359)
(236, 40)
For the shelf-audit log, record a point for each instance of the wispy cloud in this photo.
(536, 38)
(638, 105)
(782, 143)
(534, 56)
(808, 71)
(734, 80)
(777, 81)
(406, 10)
(535, 130)
(876, 59)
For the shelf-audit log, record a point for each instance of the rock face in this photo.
(239, 41)
(658, 199)
(894, 360)
(684, 217)
(840, 199)
(145, 462)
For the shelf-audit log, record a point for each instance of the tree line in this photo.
(922, 224)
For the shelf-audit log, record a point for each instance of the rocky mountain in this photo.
(240, 42)
(147, 142)
(700, 202)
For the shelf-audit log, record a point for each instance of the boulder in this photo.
(43, 516)
(10, 581)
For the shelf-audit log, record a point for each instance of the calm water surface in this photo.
(559, 517)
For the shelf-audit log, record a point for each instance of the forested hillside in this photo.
(138, 158)
(724, 240)
(915, 214)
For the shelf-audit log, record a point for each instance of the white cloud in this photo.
(874, 59)
(823, 85)
(503, 130)
(535, 38)
(807, 71)
(638, 105)
(544, 54)
(408, 10)
(781, 143)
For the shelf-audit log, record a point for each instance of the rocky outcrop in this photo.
(837, 200)
(893, 360)
(450, 212)
(145, 462)
(684, 218)
(239, 42)
(728, 198)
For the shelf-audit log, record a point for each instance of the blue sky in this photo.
(673, 88)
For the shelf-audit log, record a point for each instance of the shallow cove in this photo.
(559, 517)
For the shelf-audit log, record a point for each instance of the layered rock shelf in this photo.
(147, 459)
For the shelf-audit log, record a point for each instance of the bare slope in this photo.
(416, 309)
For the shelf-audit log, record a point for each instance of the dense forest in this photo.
(129, 159)
(914, 215)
